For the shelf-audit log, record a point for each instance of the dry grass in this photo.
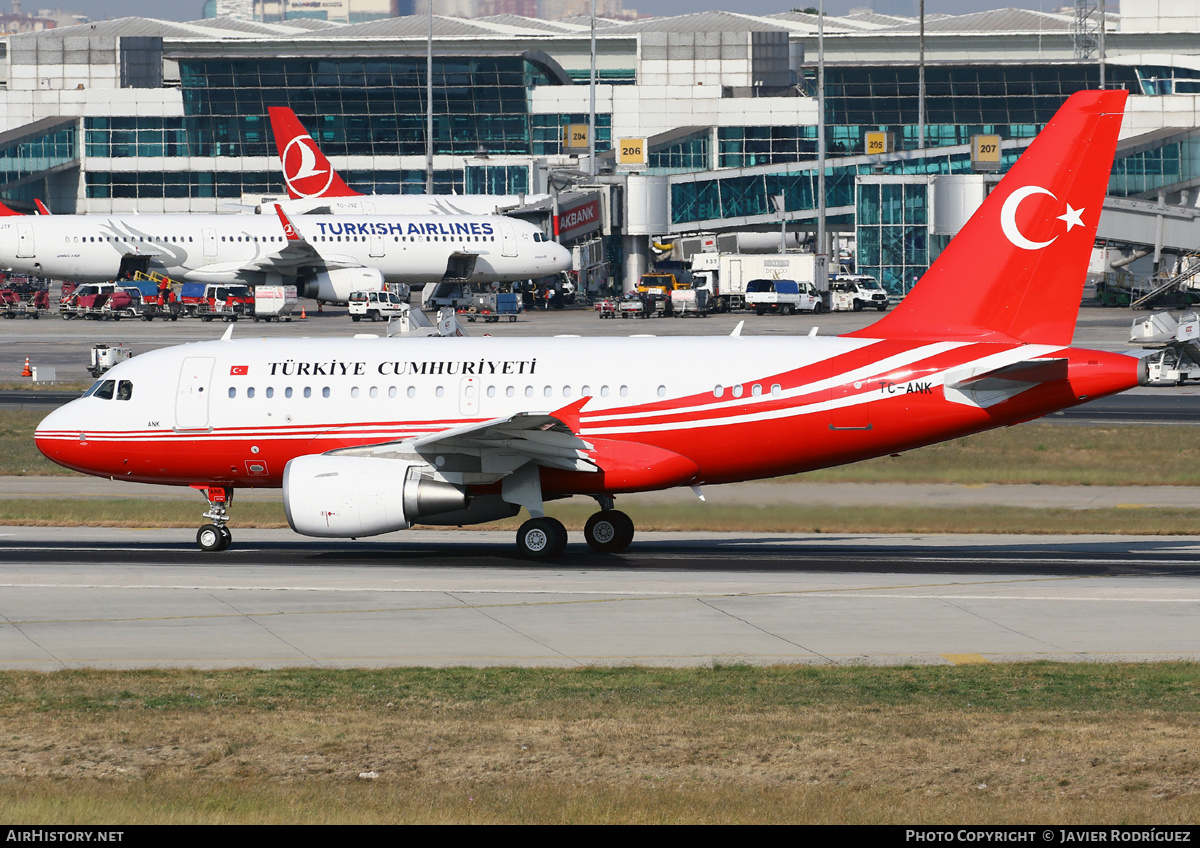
(1002, 744)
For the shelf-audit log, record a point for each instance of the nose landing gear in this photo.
(215, 536)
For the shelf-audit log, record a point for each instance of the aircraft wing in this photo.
(487, 451)
(296, 252)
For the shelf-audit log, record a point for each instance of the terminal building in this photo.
(705, 124)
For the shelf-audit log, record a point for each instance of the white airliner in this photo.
(367, 435)
(326, 256)
(314, 185)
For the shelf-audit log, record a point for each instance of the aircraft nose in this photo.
(60, 437)
(560, 260)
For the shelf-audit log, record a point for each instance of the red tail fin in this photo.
(5, 211)
(1016, 270)
(305, 169)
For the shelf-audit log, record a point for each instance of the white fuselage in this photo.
(249, 248)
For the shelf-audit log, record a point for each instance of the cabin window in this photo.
(232, 392)
(325, 392)
(566, 391)
(586, 391)
(624, 391)
(440, 391)
(491, 391)
(510, 392)
(737, 391)
(287, 393)
(412, 391)
(604, 391)
(529, 391)
(308, 391)
(270, 392)
(718, 391)
(756, 390)
(354, 392)
(547, 391)
(776, 389)
(662, 391)
(374, 391)
(250, 392)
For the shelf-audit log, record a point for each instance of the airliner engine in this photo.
(335, 286)
(351, 496)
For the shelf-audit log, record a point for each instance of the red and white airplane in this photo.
(367, 436)
(313, 183)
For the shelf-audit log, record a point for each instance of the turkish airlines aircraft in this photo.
(313, 184)
(326, 256)
(368, 435)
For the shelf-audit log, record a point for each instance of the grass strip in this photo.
(1140, 521)
(1004, 743)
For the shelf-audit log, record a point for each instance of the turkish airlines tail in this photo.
(5, 211)
(1015, 271)
(305, 169)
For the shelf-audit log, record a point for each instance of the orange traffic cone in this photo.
(27, 372)
(303, 314)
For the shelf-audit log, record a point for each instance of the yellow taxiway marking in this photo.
(966, 659)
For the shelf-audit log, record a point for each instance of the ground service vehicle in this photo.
(370, 435)
(725, 275)
(206, 302)
(856, 292)
(782, 296)
(274, 303)
(374, 305)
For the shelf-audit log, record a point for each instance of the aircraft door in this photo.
(209, 236)
(508, 239)
(25, 239)
(377, 246)
(191, 401)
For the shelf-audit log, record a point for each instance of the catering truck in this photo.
(725, 275)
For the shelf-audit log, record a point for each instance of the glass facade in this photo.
(1146, 171)
(372, 106)
(708, 200)
(546, 132)
(744, 147)
(28, 156)
(1013, 101)
(892, 232)
(689, 153)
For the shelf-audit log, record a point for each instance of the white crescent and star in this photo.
(1008, 218)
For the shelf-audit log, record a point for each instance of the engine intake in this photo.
(351, 496)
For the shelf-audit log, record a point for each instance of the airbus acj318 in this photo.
(367, 436)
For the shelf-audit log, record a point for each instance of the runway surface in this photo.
(122, 599)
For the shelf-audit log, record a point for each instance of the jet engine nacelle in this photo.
(351, 496)
(335, 286)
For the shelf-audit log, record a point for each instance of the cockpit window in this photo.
(102, 389)
(124, 390)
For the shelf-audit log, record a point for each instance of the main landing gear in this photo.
(608, 531)
(216, 536)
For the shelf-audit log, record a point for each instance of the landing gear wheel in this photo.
(542, 538)
(609, 531)
(212, 538)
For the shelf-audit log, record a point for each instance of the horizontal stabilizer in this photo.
(989, 386)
